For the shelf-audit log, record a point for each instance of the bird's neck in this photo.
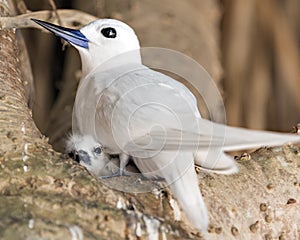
(90, 63)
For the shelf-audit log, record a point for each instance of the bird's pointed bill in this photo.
(70, 35)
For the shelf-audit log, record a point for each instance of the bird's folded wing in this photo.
(240, 138)
(211, 135)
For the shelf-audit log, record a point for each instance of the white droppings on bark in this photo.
(176, 210)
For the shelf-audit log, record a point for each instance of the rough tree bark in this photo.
(43, 195)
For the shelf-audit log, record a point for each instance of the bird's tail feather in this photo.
(178, 171)
(187, 192)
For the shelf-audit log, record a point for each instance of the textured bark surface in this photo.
(43, 195)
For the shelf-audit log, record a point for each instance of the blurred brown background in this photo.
(250, 48)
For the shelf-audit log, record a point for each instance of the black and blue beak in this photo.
(72, 36)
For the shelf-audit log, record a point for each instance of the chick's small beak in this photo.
(72, 36)
(84, 157)
(74, 155)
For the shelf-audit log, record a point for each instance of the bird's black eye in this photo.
(109, 32)
(98, 150)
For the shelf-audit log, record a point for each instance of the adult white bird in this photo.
(136, 111)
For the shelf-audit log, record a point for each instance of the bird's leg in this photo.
(117, 169)
(124, 159)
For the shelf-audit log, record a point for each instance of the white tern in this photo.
(133, 110)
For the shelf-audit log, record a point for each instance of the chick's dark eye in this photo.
(98, 150)
(109, 32)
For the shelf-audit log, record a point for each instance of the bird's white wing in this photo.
(209, 144)
(141, 101)
(210, 135)
(152, 111)
(239, 138)
(171, 123)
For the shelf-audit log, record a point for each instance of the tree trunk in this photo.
(46, 196)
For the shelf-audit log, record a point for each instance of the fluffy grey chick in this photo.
(90, 154)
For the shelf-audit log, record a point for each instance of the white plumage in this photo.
(91, 155)
(131, 109)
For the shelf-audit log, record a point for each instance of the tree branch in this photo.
(70, 18)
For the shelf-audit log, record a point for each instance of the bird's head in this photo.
(85, 150)
(99, 41)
